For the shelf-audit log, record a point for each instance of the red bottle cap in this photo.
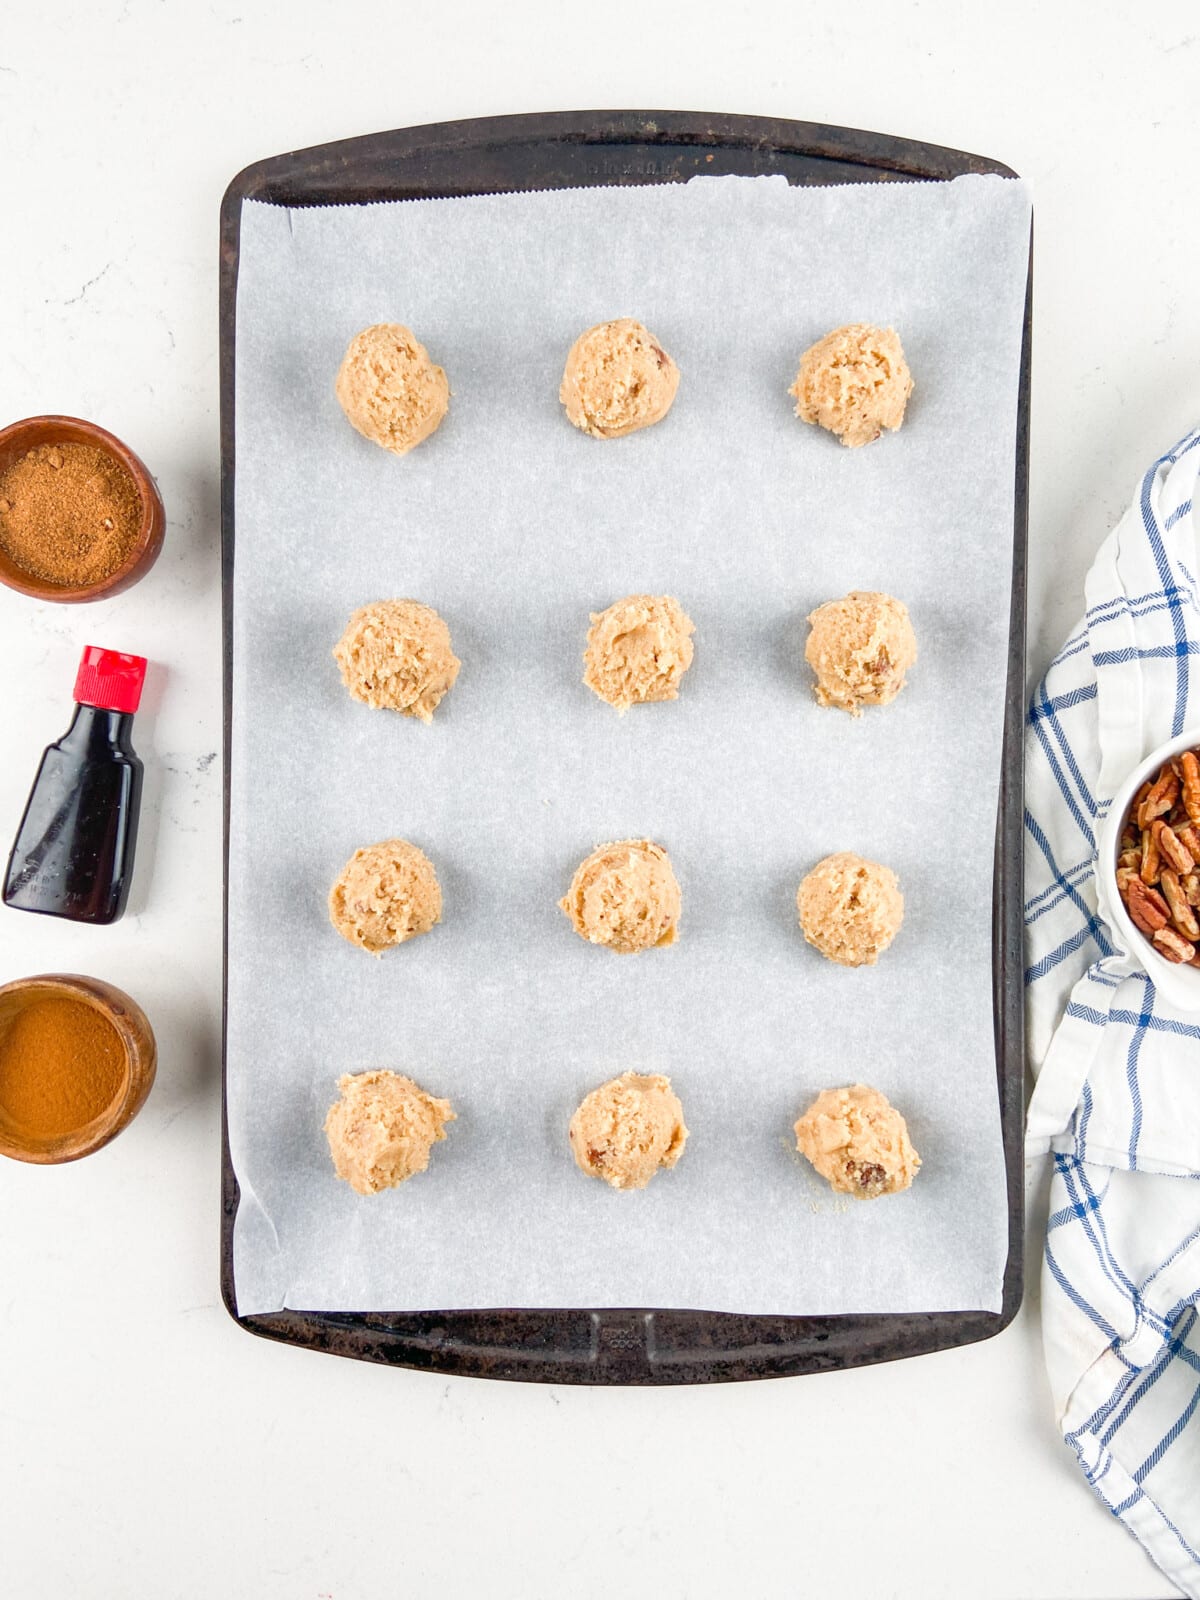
(109, 679)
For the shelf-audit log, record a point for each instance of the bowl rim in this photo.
(141, 1062)
(145, 548)
(1179, 982)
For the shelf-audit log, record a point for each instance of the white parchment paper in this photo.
(515, 526)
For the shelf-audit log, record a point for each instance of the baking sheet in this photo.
(515, 526)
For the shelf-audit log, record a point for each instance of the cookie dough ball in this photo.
(627, 1129)
(618, 378)
(850, 909)
(860, 649)
(638, 650)
(858, 1142)
(625, 896)
(382, 1129)
(855, 382)
(389, 388)
(387, 893)
(397, 653)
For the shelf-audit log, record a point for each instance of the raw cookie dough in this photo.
(618, 378)
(638, 650)
(386, 893)
(855, 382)
(850, 909)
(627, 1129)
(625, 896)
(397, 653)
(382, 1129)
(389, 388)
(858, 1142)
(860, 649)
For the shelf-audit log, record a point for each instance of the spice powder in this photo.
(61, 1065)
(70, 513)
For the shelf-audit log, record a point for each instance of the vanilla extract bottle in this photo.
(74, 850)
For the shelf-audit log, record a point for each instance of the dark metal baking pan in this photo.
(566, 150)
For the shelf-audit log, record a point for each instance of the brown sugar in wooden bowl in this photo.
(37, 434)
(77, 1060)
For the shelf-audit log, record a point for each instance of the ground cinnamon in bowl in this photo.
(62, 1065)
(77, 1060)
(70, 513)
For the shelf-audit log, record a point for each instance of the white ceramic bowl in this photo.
(1180, 984)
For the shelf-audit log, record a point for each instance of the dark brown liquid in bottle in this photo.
(73, 855)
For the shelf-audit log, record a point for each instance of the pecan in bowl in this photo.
(1150, 856)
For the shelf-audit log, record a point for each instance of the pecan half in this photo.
(1190, 768)
(1173, 945)
(1151, 858)
(1189, 838)
(1181, 913)
(1191, 888)
(1172, 850)
(1161, 798)
(1147, 907)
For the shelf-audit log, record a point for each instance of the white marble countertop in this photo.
(152, 1447)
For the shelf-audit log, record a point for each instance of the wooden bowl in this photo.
(19, 437)
(141, 1059)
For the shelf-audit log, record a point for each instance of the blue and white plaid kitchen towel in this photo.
(1117, 1101)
